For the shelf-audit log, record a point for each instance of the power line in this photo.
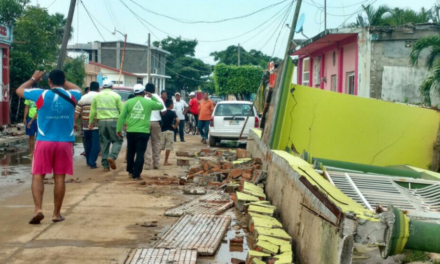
(92, 20)
(209, 22)
(114, 14)
(335, 7)
(192, 79)
(357, 11)
(140, 19)
(281, 28)
(110, 14)
(283, 21)
(51, 4)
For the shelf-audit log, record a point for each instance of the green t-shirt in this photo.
(32, 108)
(136, 112)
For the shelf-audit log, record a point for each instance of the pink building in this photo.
(369, 62)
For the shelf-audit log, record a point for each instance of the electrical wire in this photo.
(104, 27)
(87, 11)
(114, 14)
(357, 12)
(183, 76)
(209, 22)
(280, 15)
(51, 4)
(335, 7)
(109, 13)
(141, 20)
(281, 28)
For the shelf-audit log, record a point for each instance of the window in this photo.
(116, 82)
(350, 83)
(233, 110)
(140, 80)
(334, 81)
(306, 72)
(317, 72)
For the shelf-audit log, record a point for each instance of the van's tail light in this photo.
(257, 122)
(211, 122)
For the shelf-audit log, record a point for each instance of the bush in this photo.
(237, 80)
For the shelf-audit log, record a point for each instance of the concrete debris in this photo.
(194, 190)
(213, 203)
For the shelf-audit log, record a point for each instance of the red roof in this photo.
(322, 42)
(113, 69)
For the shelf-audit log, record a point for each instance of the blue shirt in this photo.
(55, 115)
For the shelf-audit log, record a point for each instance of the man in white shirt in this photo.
(153, 147)
(181, 108)
(91, 136)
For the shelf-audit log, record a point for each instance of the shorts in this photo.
(56, 157)
(32, 131)
(167, 140)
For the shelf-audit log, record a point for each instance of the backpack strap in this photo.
(64, 96)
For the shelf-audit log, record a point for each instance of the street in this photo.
(104, 213)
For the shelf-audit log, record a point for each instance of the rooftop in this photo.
(94, 46)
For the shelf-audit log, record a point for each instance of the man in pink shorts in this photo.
(54, 148)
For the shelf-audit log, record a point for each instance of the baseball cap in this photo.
(177, 93)
(192, 94)
(138, 88)
(107, 83)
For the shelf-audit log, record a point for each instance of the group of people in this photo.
(152, 123)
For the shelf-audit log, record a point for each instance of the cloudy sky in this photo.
(259, 31)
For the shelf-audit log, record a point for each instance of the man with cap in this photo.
(107, 106)
(137, 113)
(194, 106)
(181, 108)
(153, 148)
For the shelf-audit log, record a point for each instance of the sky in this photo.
(265, 30)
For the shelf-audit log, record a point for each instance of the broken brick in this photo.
(235, 173)
(241, 153)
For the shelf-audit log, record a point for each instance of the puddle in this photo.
(226, 252)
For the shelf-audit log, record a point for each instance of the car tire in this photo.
(212, 141)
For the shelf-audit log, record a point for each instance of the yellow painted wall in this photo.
(348, 128)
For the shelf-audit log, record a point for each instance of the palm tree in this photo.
(374, 16)
(431, 43)
(59, 27)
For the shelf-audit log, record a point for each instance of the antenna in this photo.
(300, 25)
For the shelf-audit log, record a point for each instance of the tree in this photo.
(59, 28)
(229, 56)
(238, 80)
(431, 43)
(186, 72)
(10, 10)
(35, 47)
(75, 70)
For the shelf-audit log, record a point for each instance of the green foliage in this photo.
(186, 71)
(412, 256)
(236, 80)
(35, 47)
(10, 10)
(75, 71)
(431, 43)
(59, 27)
(386, 16)
(252, 57)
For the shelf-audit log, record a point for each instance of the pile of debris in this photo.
(242, 177)
(218, 168)
(273, 244)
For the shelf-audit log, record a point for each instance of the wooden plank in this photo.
(212, 203)
(146, 255)
(136, 256)
(201, 232)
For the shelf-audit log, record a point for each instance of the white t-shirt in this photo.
(155, 115)
(179, 107)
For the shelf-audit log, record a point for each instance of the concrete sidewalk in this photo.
(101, 209)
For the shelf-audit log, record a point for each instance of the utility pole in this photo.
(238, 63)
(123, 54)
(67, 28)
(325, 15)
(149, 60)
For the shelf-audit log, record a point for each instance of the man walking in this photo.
(153, 148)
(194, 106)
(91, 136)
(107, 105)
(181, 108)
(137, 113)
(30, 113)
(53, 149)
(205, 112)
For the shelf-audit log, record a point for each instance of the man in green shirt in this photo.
(30, 114)
(107, 106)
(136, 113)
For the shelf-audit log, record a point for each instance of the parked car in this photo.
(216, 99)
(124, 92)
(228, 120)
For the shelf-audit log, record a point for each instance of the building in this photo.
(92, 73)
(135, 60)
(128, 79)
(5, 44)
(369, 62)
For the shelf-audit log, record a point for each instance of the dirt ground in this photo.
(103, 212)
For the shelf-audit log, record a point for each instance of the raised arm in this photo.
(36, 77)
(71, 86)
